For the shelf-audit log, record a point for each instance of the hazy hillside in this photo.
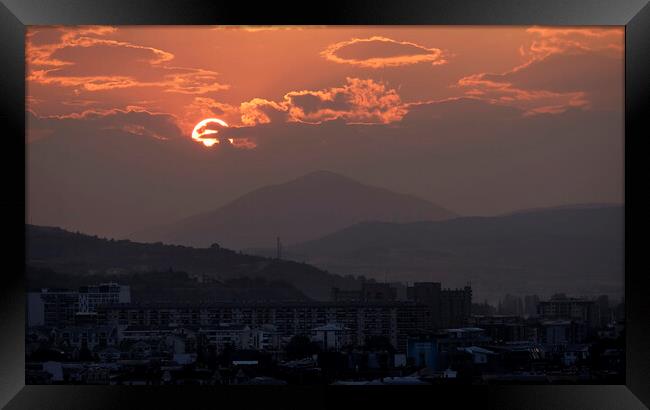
(302, 209)
(575, 250)
(68, 252)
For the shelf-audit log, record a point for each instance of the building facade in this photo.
(63, 307)
(395, 320)
(447, 307)
(560, 307)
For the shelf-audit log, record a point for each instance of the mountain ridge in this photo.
(303, 208)
(550, 250)
(80, 254)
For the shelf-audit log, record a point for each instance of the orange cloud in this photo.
(554, 78)
(548, 41)
(572, 40)
(249, 113)
(88, 83)
(359, 101)
(380, 52)
(259, 111)
(209, 107)
(72, 61)
(531, 101)
(190, 81)
(44, 54)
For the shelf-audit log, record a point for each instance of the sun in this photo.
(201, 130)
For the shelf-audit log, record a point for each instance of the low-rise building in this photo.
(562, 332)
(89, 337)
(147, 332)
(265, 337)
(237, 336)
(395, 320)
(423, 351)
(478, 354)
(332, 336)
(506, 328)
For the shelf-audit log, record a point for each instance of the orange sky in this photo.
(351, 99)
(242, 74)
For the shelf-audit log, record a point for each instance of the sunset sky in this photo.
(479, 120)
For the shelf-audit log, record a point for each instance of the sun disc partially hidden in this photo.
(201, 130)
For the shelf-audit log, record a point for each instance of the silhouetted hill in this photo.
(306, 208)
(75, 253)
(572, 250)
(563, 207)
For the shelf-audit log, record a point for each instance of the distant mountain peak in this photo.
(324, 173)
(324, 176)
(304, 208)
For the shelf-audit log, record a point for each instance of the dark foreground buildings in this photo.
(445, 307)
(94, 335)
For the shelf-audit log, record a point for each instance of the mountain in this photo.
(563, 207)
(574, 250)
(93, 257)
(306, 208)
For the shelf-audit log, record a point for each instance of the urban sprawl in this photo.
(98, 335)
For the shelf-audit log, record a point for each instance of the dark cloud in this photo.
(78, 58)
(131, 120)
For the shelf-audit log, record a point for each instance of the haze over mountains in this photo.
(331, 223)
(303, 209)
(577, 249)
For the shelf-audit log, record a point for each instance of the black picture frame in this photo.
(15, 15)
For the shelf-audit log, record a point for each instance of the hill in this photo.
(306, 208)
(79, 254)
(573, 250)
